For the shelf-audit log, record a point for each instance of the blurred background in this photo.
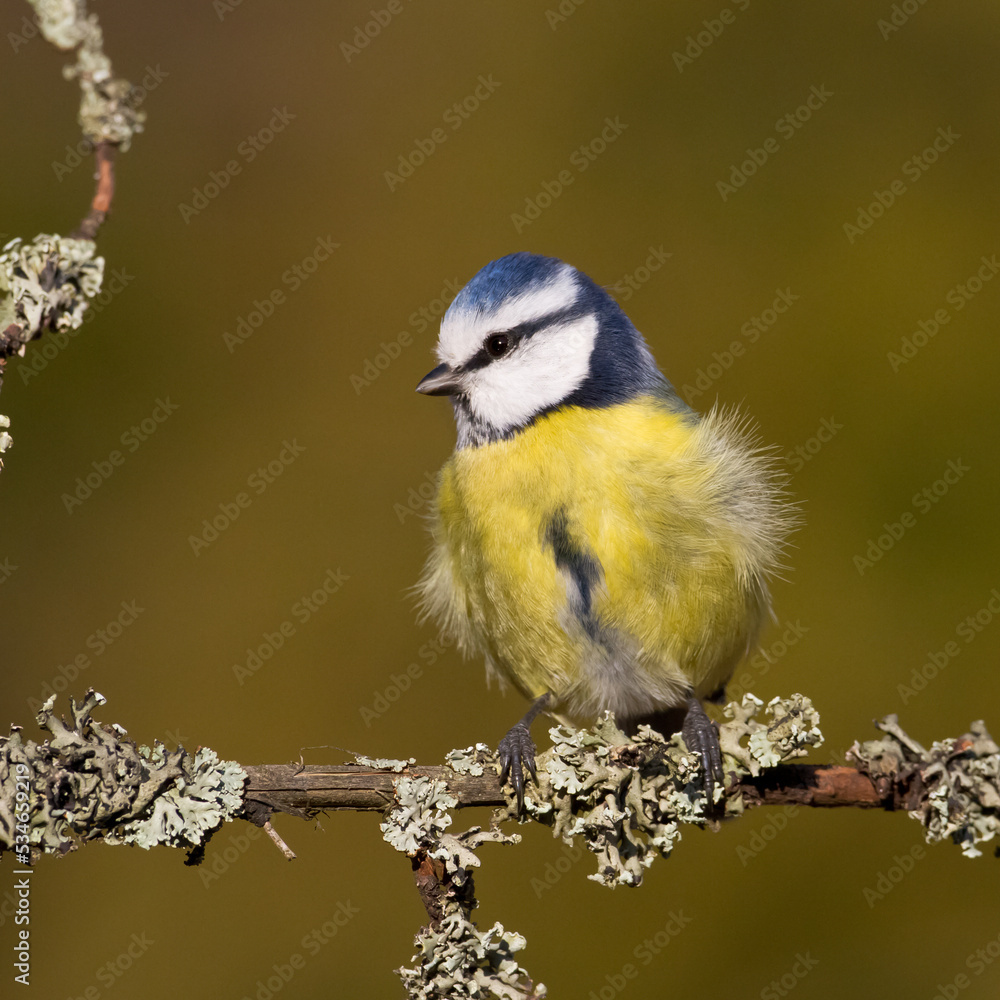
(798, 208)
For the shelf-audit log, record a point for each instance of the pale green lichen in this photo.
(959, 781)
(209, 794)
(793, 729)
(46, 284)
(63, 22)
(420, 814)
(89, 782)
(108, 104)
(458, 851)
(384, 763)
(456, 959)
(627, 797)
(470, 760)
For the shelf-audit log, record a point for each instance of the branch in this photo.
(46, 284)
(104, 156)
(124, 793)
(825, 786)
(305, 790)
(624, 796)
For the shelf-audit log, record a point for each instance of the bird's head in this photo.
(529, 334)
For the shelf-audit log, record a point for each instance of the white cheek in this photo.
(542, 372)
(462, 333)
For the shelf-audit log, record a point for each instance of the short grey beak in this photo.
(443, 381)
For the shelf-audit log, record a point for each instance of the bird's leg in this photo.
(702, 738)
(516, 750)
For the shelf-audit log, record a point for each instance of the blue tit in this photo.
(599, 543)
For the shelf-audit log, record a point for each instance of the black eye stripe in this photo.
(483, 357)
(515, 334)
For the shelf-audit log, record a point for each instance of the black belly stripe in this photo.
(582, 567)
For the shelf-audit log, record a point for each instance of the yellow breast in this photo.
(678, 519)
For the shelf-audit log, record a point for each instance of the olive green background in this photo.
(349, 502)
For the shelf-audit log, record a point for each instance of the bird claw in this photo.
(702, 738)
(516, 752)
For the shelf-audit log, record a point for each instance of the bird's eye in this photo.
(498, 345)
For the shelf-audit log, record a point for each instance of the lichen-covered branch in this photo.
(626, 798)
(953, 788)
(453, 957)
(87, 781)
(90, 782)
(47, 283)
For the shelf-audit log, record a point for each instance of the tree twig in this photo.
(279, 843)
(310, 789)
(104, 158)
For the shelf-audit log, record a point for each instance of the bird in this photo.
(596, 541)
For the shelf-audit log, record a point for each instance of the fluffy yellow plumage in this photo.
(681, 520)
(599, 543)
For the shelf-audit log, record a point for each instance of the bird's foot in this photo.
(516, 753)
(702, 738)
